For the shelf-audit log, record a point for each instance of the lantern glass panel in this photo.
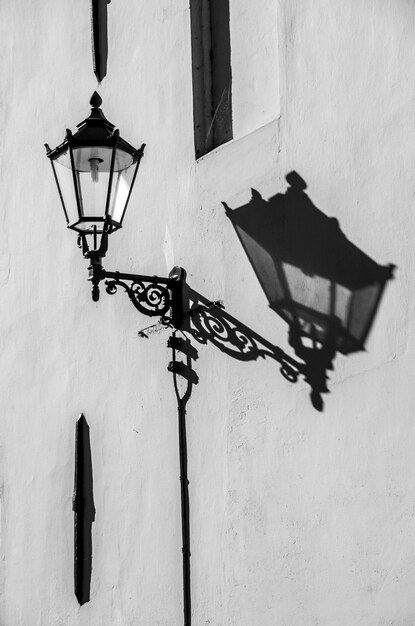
(85, 158)
(92, 166)
(65, 180)
(125, 166)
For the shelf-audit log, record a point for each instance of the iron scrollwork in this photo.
(209, 322)
(150, 295)
(150, 298)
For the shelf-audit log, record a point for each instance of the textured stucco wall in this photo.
(297, 518)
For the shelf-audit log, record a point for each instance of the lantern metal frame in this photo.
(94, 132)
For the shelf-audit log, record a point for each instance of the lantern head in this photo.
(95, 171)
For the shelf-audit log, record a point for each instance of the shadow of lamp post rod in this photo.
(321, 284)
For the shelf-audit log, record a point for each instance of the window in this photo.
(212, 76)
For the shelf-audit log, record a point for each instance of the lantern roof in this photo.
(95, 126)
(94, 130)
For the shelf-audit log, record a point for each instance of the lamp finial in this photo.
(95, 100)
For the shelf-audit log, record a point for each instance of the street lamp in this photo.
(95, 170)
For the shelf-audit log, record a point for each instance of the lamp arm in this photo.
(119, 276)
(151, 295)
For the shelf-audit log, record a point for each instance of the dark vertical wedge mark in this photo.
(99, 34)
(211, 72)
(83, 507)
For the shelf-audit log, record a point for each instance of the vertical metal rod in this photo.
(185, 509)
(184, 493)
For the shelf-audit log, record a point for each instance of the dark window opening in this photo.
(212, 76)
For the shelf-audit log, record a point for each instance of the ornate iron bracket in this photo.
(151, 295)
(208, 322)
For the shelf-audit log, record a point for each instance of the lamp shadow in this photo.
(325, 288)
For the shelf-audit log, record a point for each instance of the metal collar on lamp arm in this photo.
(95, 171)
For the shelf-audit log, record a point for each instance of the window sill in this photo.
(242, 160)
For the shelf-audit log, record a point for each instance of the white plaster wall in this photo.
(297, 518)
(254, 57)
